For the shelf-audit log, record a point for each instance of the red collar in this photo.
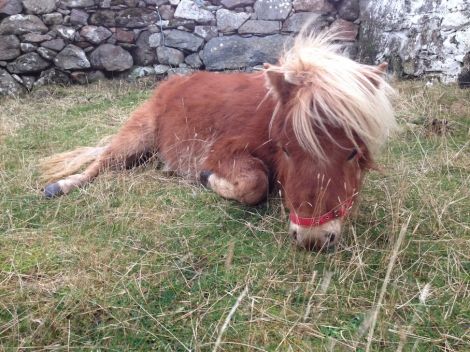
(339, 212)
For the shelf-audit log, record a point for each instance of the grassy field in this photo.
(142, 260)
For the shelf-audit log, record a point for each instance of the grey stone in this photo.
(9, 47)
(161, 69)
(349, 10)
(260, 27)
(27, 63)
(167, 12)
(52, 76)
(124, 36)
(111, 58)
(65, 32)
(169, 56)
(21, 24)
(27, 47)
(143, 54)
(141, 71)
(94, 34)
(193, 60)
(54, 44)
(155, 40)
(206, 32)
(78, 3)
(105, 18)
(10, 7)
(229, 21)
(455, 20)
(235, 52)
(319, 6)
(179, 71)
(162, 24)
(8, 85)
(183, 40)
(38, 7)
(78, 17)
(51, 19)
(127, 46)
(104, 4)
(47, 53)
(272, 9)
(135, 17)
(87, 47)
(72, 58)
(231, 4)
(35, 37)
(295, 22)
(17, 78)
(190, 10)
(28, 81)
(156, 2)
(63, 11)
(180, 24)
(86, 77)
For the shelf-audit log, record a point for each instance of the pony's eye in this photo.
(352, 155)
(284, 149)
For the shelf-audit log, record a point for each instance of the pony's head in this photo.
(332, 115)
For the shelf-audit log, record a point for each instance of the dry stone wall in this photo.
(80, 41)
(420, 37)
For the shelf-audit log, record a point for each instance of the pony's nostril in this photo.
(330, 236)
(294, 235)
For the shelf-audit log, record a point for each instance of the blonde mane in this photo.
(334, 90)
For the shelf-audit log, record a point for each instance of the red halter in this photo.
(341, 211)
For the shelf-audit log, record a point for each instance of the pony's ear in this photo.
(382, 68)
(277, 82)
(378, 72)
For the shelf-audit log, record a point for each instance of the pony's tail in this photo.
(64, 164)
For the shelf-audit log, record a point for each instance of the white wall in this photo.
(419, 37)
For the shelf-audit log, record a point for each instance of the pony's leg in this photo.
(243, 178)
(133, 143)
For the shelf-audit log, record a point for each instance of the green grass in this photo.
(140, 260)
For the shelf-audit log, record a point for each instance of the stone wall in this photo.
(64, 41)
(418, 37)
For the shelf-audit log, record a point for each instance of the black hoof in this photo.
(53, 190)
(204, 177)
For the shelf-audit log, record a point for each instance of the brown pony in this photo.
(308, 126)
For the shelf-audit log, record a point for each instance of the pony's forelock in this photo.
(333, 90)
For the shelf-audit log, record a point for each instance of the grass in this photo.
(141, 260)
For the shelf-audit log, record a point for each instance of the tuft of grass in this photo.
(140, 260)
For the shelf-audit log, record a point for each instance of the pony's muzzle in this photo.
(320, 237)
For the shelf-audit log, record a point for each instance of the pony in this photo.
(309, 127)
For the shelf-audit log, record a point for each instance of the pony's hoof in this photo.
(204, 177)
(53, 190)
